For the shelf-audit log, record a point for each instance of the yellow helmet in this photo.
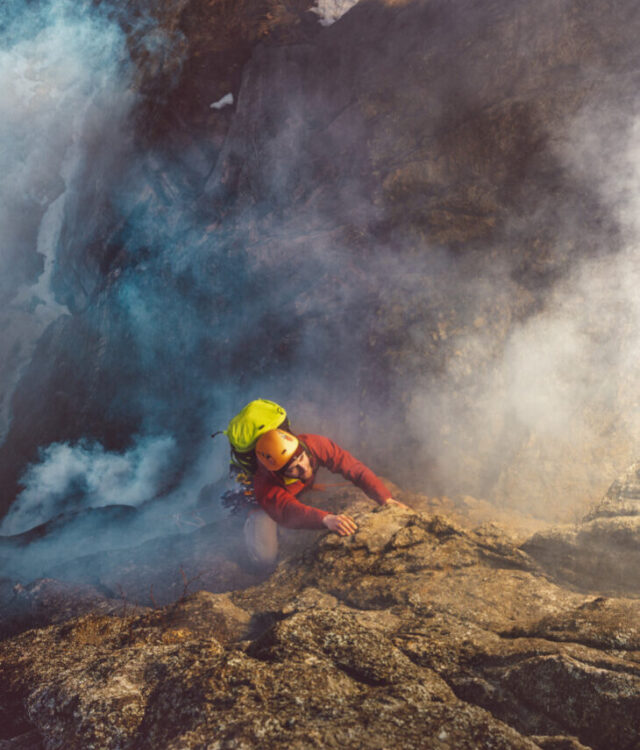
(275, 448)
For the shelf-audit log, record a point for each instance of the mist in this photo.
(544, 418)
(71, 478)
(62, 93)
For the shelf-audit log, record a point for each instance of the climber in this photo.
(288, 466)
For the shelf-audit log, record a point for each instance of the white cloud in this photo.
(62, 101)
(75, 477)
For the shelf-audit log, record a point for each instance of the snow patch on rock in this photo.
(225, 101)
(329, 11)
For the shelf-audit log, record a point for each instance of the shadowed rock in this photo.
(602, 552)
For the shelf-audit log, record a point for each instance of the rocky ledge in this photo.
(415, 633)
(602, 551)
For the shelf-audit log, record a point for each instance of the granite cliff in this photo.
(418, 631)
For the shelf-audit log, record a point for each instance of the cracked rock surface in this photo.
(415, 632)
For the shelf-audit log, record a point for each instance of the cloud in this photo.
(60, 72)
(64, 98)
(542, 415)
(70, 478)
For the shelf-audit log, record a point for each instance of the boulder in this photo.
(602, 551)
(414, 632)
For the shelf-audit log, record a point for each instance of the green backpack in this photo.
(245, 428)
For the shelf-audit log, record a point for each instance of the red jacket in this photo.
(279, 501)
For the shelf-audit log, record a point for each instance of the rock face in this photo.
(414, 633)
(390, 197)
(406, 128)
(602, 551)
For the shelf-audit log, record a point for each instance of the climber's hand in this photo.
(343, 525)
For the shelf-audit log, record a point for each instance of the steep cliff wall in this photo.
(424, 210)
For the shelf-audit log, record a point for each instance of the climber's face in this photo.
(299, 467)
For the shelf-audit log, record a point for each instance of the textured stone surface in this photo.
(414, 632)
(622, 498)
(45, 601)
(602, 551)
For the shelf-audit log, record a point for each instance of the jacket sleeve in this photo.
(339, 461)
(283, 507)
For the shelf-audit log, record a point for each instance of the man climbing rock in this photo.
(287, 467)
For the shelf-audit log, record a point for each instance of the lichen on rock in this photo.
(414, 632)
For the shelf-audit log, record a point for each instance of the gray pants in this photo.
(261, 538)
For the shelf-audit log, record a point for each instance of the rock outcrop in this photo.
(415, 632)
(602, 551)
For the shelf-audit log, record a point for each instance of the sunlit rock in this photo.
(440, 637)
